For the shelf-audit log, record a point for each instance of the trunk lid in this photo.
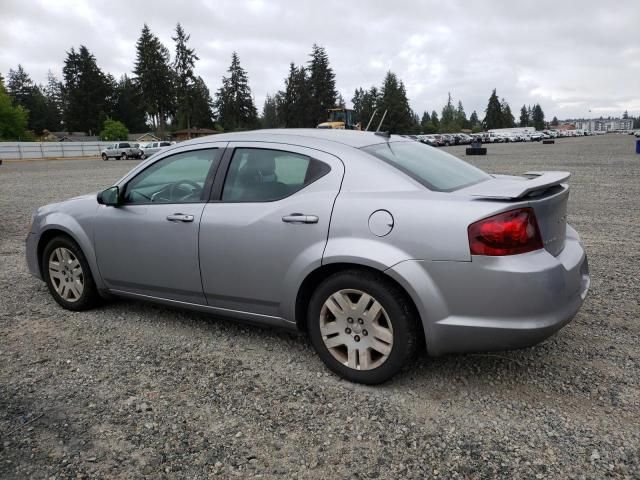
(545, 192)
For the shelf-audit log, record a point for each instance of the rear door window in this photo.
(261, 175)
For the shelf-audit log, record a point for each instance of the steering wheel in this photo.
(177, 186)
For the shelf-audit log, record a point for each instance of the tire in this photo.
(104, 157)
(143, 156)
(61, 250)
(123, 156)
(395, 327)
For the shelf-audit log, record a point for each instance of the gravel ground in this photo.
(133, 390)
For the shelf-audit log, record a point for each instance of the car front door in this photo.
(148, 245)
(266, 226)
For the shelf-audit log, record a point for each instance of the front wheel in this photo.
(67, 274)
(104, 157)
(362, 326)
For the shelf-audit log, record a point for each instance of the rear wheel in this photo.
(67, 274)
(123, 156)
(362, 326)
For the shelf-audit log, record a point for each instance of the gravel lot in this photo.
(133, 390)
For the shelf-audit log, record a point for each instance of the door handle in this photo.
(300, 218)
(180, 217)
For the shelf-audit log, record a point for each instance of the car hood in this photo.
(63, 205)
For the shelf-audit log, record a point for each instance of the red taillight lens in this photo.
(507, 233)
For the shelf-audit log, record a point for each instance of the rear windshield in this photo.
(433, 168)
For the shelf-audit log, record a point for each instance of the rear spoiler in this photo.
(505, 187)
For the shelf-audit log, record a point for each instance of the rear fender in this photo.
(411, 274)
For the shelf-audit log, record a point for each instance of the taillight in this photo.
(507, 233)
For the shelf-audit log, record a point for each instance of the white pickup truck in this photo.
(121, 150)
(152, 147)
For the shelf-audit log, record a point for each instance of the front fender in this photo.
(82, 233)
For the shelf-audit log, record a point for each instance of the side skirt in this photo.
(247, 317)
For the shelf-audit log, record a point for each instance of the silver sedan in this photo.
(374, 245)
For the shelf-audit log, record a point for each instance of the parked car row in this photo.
(126, 150)
(448, 139)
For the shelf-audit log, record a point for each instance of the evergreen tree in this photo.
(183, 65)
(86, 92)
(294, 110)
(357, 100)
(128, 107)
(53, 95)
(508, 121)
(424, 121)
(234, 103)
(13, 118)
(435, 122)
(525, 119)
(625, 115)
(370, 102)
(537, 117)
(29, 96)
(473, 120)
(20, 86)
(461, 117)
(269, 117)
(555, 122)
(448, 119)
(38, 111)
(201, 104)
(154, 78)
(493, 112)
(322, 85)
(399, 118)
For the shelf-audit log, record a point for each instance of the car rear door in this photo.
(266, 227)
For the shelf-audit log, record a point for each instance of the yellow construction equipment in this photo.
(340, 118)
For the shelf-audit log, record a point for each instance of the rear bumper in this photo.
(497, 303)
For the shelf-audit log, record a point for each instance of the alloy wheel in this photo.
(356, 329)
(66, 274)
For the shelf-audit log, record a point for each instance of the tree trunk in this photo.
(162, 124)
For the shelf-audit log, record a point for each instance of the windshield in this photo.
(336, 116)
(433, 168)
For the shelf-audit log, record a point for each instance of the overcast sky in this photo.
(571, 57)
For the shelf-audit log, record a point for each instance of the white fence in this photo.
(19, 150)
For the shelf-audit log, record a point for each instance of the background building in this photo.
(605, 124)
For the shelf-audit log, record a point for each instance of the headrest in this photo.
(261, 163)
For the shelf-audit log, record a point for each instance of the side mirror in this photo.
(109, 197)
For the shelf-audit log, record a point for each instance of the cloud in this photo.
(570, 58)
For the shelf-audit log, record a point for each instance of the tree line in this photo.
(164, 94)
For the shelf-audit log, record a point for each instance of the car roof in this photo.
(351, 138)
